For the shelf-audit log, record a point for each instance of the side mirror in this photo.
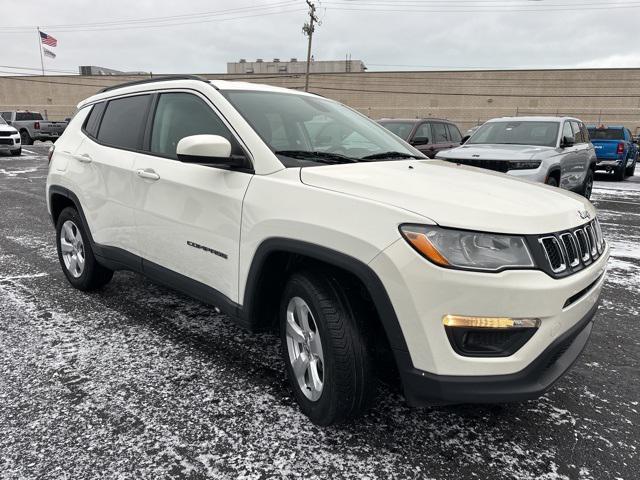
(567, 142)
(420, 141)
(207, 150)
(464, 139)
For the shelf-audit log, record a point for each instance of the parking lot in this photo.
(137, 381)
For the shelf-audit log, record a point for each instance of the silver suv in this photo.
(552, 150)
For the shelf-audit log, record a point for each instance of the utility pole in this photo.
(308, 30)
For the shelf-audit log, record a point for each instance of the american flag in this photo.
(48, 40)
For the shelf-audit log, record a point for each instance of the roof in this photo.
(156, 83)
(533, 119)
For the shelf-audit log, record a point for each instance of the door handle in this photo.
(147, 173)
(84, 158)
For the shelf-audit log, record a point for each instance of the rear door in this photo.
(188, 215)
(422, 139)
(103, 167)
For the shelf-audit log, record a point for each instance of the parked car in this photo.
(33, 127)
(9, 139)
(616, 149)
(474, 286)
(430, 136)
(552, 150)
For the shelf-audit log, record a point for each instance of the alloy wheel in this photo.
(72, 248)
(305, 348)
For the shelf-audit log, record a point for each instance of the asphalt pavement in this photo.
(137, 381)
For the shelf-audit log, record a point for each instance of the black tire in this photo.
(93, 275)
(25, 138)
(587, 186)
(348, 380)
(619, 172)
(631, 168)
(17, 152)
(551, 181)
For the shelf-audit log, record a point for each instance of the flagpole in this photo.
(40, 49)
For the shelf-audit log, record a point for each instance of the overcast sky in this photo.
(385, 34)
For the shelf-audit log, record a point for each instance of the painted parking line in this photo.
(29, 151)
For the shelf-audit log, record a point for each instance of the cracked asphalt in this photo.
(137, 381)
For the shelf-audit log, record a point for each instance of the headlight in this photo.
(524, 165)
(468, 250)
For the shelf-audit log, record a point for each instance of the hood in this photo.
(456, 195)
(496, 152)
(7, 128)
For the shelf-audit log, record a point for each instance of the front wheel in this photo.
(324, 350)
(551, 181)
(76, 255)
(17, 152)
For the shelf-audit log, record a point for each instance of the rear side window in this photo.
(123, 122)
(92, 122)
(180, 115)
(454, 133)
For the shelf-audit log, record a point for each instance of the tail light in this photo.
(620, 149)
(50, 153)
(36, 125)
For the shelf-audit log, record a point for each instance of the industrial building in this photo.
(465, 97)
(294, 66)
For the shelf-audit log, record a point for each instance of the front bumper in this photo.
(423, 388)
(11, 142)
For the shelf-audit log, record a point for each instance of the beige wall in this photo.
(608, 95)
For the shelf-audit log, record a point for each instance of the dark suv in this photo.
(428, 135)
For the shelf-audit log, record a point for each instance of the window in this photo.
(24, 116)
(424, 131)
(180, 115)
(585, 133)
(454, 133)
(6, 115)
(606, 133)
(567, 131)
(123, 122)
(401, 129)
(440, 134)
(92, 122)
(577, 132)
(518, 133)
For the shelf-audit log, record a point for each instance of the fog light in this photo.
(489, 322)
(488, 336)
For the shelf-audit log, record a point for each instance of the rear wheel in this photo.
(25, 138)
(76, 255)
(587, 186)
(631, 168)
(619, 172)
(324, 350)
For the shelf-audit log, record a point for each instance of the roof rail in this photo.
(154, 79)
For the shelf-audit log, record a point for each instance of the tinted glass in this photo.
(92, 122)
(401, 129)
(23, 116)
(423, 131)
(180, 115)
(301, 123)
(123, 122)
(440, 134)
(517, 133)
(606, 134)
(454, 133)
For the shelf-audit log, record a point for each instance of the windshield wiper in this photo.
(377, 156)
(323, 157)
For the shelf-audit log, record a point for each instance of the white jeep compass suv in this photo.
(287, 209)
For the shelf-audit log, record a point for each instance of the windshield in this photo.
(401, 129)
(517, 133)
(2, 122)
(606, 134)
(316, 129)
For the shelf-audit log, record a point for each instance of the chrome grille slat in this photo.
(554, 253)
(571, 248)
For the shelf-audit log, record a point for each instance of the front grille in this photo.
(570, 251)
(495, 165)
(6, 141)
(6, 134)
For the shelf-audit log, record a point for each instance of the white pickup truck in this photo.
(32, 126)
